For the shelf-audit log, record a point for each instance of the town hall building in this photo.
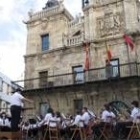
(55, 73)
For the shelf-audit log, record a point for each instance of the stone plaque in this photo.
(109, 24)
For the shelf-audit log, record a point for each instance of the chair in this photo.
(46, 131)
(107, 129)
(79, 130)
(134, 129)
(53, 130)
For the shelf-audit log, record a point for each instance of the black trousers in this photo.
(15, 120)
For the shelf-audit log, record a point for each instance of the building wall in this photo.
(94, 95)
(103, 24)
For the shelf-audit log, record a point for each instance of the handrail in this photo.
(65, 74)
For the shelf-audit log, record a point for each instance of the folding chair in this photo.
(53, 130)
(134, 129)
(107, 129)
(81, 131)
(46, 131)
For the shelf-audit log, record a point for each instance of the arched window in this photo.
(119, 107)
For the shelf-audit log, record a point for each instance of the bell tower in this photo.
(131, 16)
(110, 18)
(85, 3)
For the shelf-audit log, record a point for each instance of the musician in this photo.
(58, 119)
(55, 120)
(16, 105)
(77, 121)
(135, 111)
(85, 116)
(4, 122)
(45, 122)
(122, 127)
(106, 117)
(47, 117)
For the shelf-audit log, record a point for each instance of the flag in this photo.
(109, 54)
(129, 41)
(87, 56)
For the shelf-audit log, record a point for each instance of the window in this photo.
(78, 105)
(112, 68)
(43, 78)
(44, 108)
(45, 42)
(78, 74)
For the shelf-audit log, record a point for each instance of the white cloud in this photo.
(13, 44)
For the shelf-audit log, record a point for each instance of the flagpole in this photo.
(127, 46)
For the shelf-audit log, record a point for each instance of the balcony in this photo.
(93, 75)
(73, 41)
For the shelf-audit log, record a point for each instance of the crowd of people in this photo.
(83, 119)
(90, 122)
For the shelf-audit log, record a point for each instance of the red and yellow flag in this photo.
(109, 54)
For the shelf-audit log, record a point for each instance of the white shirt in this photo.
(53, 122)
(5, 122)
(86, 118)
(16, 99)
(106, 116)
(134, 113)
(77, 120)
(47, 118)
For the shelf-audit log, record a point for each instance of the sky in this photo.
(13, 32)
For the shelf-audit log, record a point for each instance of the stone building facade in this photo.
(55, 55)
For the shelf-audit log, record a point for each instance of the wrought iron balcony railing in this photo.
(93, 75)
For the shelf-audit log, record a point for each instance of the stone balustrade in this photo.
(46, 12)
(71, 41)
(75, 23)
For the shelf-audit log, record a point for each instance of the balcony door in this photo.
(78, 105)
(44, 108)
(43, 77)
(112, 68)
(78, 74)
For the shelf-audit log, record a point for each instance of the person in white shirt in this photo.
(85, 116)
(106, 118)
(135, 111)
(55, 120)
(122, 127)
(16, 105)
(4, 122)
(107, 115)
(78, 120)
(47, 118)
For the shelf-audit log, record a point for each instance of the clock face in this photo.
(119, 107)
